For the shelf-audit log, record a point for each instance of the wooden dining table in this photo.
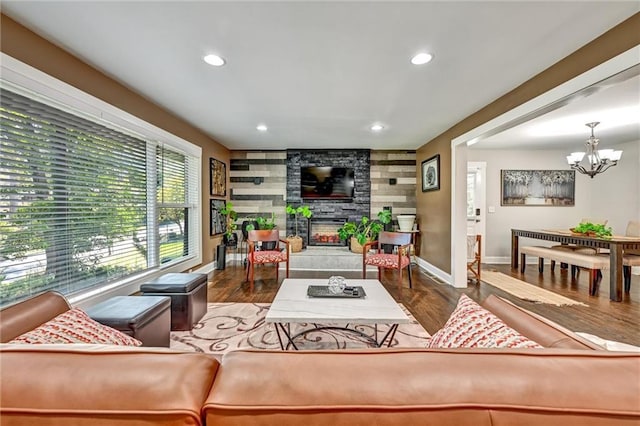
(616, 244)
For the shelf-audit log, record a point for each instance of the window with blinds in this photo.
(83, 204)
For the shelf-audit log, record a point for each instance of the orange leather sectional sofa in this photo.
(570, 382)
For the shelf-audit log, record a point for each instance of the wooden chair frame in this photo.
(473, 265)
(397, 239)
(265, 236)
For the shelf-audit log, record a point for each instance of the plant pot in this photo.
(295, 244)
(356, 247)
(405, 222)
(221, 256)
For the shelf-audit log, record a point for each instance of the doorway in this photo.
(548, 101)
(476, 200)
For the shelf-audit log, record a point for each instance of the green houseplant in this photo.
(364, 231)
(232, 216)
(592, 229)
(295, 240)
(265, 222)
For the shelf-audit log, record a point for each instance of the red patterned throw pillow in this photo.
(75, 326)
(472, 326)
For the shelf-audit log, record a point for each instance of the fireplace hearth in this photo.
(324, 232)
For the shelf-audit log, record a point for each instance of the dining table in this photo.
(616, 244)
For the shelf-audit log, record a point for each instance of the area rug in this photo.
(234, 326)
(525, 291)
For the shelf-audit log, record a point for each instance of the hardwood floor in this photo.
(431, 302)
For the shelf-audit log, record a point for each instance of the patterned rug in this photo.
(526, 291)
(233, 326)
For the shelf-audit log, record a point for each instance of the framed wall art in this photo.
(218, 220)
(217, 178)
(431, 174)
(538, 187)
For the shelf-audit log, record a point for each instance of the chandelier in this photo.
(598, 160)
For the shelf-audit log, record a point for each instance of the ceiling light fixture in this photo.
(599, 160)
(421, 58)
(214, 60)
(377, 127)
(262, 127)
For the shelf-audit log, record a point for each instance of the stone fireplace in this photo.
(324, 232)
(326, 211)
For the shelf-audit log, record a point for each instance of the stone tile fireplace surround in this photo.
(328, 212)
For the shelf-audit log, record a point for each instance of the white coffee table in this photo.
(292, 305)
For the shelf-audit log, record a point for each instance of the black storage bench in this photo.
(188, 294)
(147, 319)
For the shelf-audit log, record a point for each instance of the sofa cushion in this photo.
(75, 326)
(124, 386)
(472, 326)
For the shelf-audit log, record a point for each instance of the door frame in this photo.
(552, 99)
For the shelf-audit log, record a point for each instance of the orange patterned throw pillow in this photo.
(472, 326)
(75, 326)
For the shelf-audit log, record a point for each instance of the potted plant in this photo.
(265, 223)
(405, 222)
(592, 229)
(229, 239)
(232, 216)
(364, 231)
(295, 240)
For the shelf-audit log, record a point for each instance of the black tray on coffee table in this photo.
(357, 292)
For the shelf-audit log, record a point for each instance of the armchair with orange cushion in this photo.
(399, 260)
(259, 256)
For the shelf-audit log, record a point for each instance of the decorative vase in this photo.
(405, 222)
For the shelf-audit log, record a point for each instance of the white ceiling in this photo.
(320, 73)
(614, 103)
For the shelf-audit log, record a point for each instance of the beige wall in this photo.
(434, 208)
(26, 46)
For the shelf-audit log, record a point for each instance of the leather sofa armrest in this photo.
(26, 315)
(537, 328)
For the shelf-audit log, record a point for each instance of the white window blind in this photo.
(76, 200)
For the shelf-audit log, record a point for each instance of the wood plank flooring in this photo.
(432, 302)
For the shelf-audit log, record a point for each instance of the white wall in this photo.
(621, 187)
(615, 194)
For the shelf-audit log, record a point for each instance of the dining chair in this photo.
(398, 259)
(257, 256)
(474, 256)
(630, 258)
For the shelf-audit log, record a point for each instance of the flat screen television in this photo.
(326, 182)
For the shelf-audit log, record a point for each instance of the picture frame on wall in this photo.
(431, 174)
(217, 178)
(538, 188)
(218, 220)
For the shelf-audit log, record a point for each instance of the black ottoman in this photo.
(147, 319)
(188, 294)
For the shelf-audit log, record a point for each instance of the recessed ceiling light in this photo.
(376, 127)
(214, 60)
(421, 58)
(262, 127)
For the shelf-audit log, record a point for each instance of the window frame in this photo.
(26, 80)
